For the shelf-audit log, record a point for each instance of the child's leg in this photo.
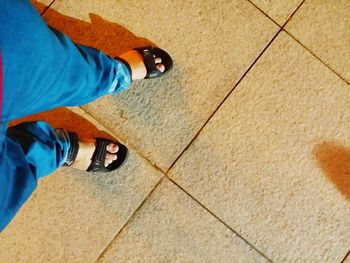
(29, 151)
(44, 69)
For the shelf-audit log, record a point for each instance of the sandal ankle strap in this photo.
(72, 139)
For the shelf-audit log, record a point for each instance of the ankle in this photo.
(136, 64)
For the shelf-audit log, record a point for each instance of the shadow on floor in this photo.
(64, 118)
(101, 34)
(334, 160)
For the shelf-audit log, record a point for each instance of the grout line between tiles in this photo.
(110, 131)
(47, 7)
(313, 54)
(283, 27)
(223, 101)
(264, 13)
(346, 257)
(152, 191)
(142, 156)
(130, 217)
(220, 220)
(194, 138)
(291, 16)
(234, 87)
(307, 49)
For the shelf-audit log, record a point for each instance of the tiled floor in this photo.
(241, 154)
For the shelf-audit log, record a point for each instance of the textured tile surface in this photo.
(212, 45)
(260, 163)
(278, 10)
(323, 27)
(171, 227)
(73, 215)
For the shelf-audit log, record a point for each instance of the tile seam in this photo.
(47, 7)
(142, 156)
(298, 41)
(239, 81)
(151, 192)
(145, 158)
(198, 133)
(264, 13)
(315, 56)
(108, 130)
(281, 28)
(293, 13)
(157, 168)
(223, 101)
(123, 139)
(220, 220)
(130, 218)
(306, 48)
(346, 257)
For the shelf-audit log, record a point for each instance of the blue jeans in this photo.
(42, 69)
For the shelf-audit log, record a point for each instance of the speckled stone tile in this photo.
(323, 27)
(278, 10)
(212, 44)
(72, 216)
(274, 162)
(172, 227)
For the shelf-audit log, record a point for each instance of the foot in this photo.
(137, 65)
(86, 150)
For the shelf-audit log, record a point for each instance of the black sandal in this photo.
(99, 156)
(148, 54)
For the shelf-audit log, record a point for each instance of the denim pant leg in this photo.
(42, 69)
(30, 151)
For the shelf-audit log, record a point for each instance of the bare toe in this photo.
(157, 60)
(110, 158)
(160, 67)
(112, 148)
(108, 162)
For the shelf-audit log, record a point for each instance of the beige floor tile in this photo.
(72, 216)
(46, 2)
(278, 10)
(172, 227)
(274, 161)
(323, 27)
(212, 45)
